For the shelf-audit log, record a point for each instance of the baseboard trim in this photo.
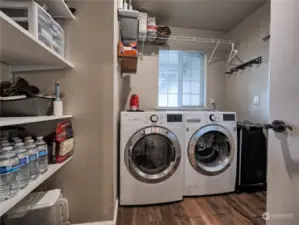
(110, 222)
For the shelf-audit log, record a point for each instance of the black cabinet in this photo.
(252, 158)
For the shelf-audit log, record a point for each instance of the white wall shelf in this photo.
(21, 49)
(58, 9)
(9, 121)
(53, 168)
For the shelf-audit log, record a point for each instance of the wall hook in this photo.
(244, 65)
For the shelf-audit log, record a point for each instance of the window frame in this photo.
(203, 84)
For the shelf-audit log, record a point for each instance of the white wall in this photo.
(145, 82)
(244, 85)
(4, 69)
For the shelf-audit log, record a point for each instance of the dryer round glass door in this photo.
(211, 150)
(153, 154)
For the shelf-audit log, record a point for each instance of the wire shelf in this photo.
(147, 39)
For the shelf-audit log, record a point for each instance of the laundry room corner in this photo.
(243, 86)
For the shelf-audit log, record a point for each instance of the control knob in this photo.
(212, 117)
(154, 118)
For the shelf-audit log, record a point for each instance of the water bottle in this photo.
(18, 145)
(42, 149)
(7, 144)
(9, 168)
(15, 138)
(3, 142)
(29, 142)
(27, 138)
(18, 141)
(3, 138)
(7, 149)
(33, 161)
(23, 155)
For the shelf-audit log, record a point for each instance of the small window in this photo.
(181, 79)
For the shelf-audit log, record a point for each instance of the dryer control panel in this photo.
(225, 117)
(209, 117)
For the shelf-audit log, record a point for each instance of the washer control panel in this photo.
(150, 118)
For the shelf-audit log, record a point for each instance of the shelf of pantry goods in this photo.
(18, 47)
(58, 9)
(8, 204)
(8, 121)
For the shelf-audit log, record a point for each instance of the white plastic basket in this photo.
(32, 17)
(49, 207)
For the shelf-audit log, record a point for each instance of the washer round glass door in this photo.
(211, 150)
(153, 154)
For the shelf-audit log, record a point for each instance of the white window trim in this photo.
(189, 108)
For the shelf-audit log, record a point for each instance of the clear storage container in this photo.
(32, 17)
(49, 207)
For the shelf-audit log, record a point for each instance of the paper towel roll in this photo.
(142, 23)
(58, 108)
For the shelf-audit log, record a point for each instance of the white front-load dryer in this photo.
(210, 153)
(151, 164)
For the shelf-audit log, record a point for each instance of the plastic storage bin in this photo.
(38, 22)
(33, 106)
(128, 20)
(46, 208)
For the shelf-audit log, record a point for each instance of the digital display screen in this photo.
(229, 117)
(174, 118)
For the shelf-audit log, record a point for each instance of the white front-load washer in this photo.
(151, 164)
(210, 153)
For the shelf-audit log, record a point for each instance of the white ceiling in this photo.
(220, 15)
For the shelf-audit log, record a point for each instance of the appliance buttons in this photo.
(154, 118)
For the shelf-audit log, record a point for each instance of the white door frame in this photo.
(283, 148)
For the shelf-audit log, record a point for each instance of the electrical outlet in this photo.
(256, 100)
(212, 101)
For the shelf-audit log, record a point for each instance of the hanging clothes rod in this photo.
(189, 39)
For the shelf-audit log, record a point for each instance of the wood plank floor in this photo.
(231, 209)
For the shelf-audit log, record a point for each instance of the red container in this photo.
(134, 102)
